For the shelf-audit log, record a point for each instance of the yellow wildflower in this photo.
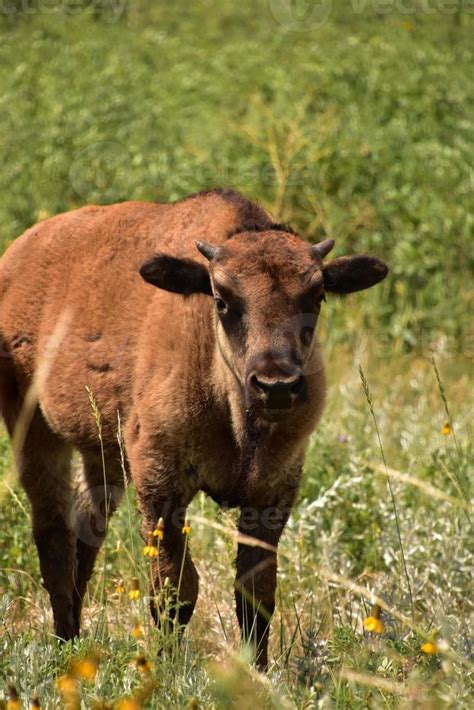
(86, 669)
(160, 529)
(408, 25)
(137, 631)
(144, 665)
(13, 702)
(150, 549)
(446, 430)
(120, 588)
(430, 648)
(67, 685)
(128, 704)
(134, 592)
(186, 528)
(373, 622)
(35, 703)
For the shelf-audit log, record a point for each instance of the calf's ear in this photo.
(183, 276)
(347, 274)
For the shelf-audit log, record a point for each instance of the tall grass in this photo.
(368, 396)
(339, 555)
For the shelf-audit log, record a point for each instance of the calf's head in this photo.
(268, 288)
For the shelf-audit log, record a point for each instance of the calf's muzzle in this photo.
(277, 394)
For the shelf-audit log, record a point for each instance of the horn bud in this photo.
(210, 251)
(322, 249)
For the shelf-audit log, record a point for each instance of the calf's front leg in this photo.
(260, 529)
(173, 563)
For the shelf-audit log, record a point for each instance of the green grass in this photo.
(340, 550)
(360, 129)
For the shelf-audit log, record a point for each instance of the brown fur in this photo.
(75, 313)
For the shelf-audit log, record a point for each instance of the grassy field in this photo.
(359, 127)
(341, 549)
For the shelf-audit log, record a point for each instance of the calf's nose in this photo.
(277, 393)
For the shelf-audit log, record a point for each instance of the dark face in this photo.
(268, 288)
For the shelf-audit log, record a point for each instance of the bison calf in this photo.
(195, 323)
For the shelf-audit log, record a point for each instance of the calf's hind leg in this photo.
(44, 464)
(156, 476)
(96, 497)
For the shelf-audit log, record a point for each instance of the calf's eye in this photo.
(221, 305)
